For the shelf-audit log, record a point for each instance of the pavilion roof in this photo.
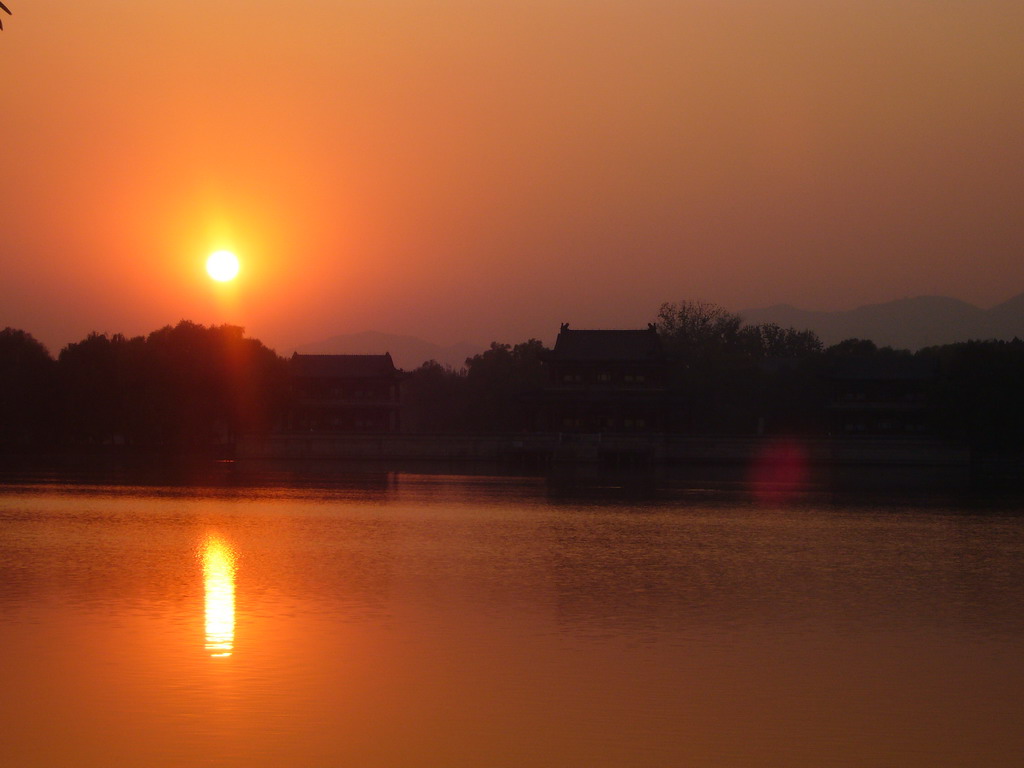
(342, 366)
(608, 345)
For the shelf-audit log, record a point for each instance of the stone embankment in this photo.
(555, 448)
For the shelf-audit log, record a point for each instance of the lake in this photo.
(399, 619)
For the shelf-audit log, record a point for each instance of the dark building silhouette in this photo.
(606, 381)
(344, 393)
(880, 396)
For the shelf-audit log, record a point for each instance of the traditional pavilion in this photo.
(344, 393)
(606, 381)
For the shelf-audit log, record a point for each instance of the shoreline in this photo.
(697, 461)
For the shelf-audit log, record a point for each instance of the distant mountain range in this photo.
(408, 352)
(923, 321)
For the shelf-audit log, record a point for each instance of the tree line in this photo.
(182, 385)
(190, 385)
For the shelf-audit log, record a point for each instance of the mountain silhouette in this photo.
(408, 352)
(911, 323)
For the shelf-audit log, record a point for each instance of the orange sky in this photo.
(478, 171)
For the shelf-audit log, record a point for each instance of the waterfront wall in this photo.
(555, 448)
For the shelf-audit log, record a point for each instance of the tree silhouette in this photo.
(207, 384)
(694, 329)
(6, 10)
(498, 378)
(976, 397)
(26, 388)
(183, 385)
(92, 389)
(434, 399)
(731, 377)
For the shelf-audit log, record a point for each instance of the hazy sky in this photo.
(476, 170)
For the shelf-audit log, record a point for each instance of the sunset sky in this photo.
(462, 170)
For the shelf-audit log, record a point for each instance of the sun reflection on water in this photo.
(219, 577)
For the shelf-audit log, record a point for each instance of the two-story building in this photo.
(606, 381)
(344, 393)
(880, 396)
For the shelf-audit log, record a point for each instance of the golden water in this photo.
(401, 620)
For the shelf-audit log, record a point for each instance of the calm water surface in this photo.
(405, 620)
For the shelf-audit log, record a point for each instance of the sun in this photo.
(222, 266)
